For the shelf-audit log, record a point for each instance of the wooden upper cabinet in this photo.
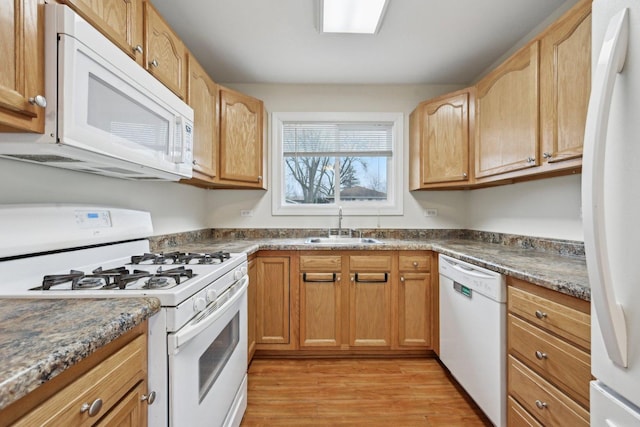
(119, 20)
(507, 119)
(22, 65)
(241, 139)
(166, 55)
(202, 96)
(565, 84)
(440, 141)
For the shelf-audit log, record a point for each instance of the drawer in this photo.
(370, 262)
(517, 416)
(109, 381)
(565, 321)
(321, 263)
(414, 263)
(542, 400)
(566, 366)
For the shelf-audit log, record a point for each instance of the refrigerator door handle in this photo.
(608, 311)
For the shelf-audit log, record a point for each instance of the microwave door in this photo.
(106, 111)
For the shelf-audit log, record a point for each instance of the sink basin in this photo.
(335, 240)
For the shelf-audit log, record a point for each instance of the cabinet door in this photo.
(131, 411)
(414, 310)
(320, 307)
(565, 85)
(202, 96)
(165, 54)
(22, 65)
(507, 134)
(445, 140)
(369, 309)
(251, 308)
(241, 139)
(272, 320)
(119, 20)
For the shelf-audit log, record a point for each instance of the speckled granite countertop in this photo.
(39, 339)
(566, 274)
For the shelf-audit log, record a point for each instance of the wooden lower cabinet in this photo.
(370, 300)
(116, 374)
(549, 363)
(358, 302)
(273, 309)
(414, 300)
(321, 296)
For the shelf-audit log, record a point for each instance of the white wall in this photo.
(544, 208)
(174, 207)
(224, 206)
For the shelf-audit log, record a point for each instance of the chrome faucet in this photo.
(339, 221)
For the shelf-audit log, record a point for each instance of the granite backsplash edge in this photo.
(560, 247)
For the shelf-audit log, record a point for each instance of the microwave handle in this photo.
(185, 133)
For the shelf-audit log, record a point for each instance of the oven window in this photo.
(212, 361)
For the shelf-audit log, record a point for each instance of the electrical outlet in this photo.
(431, 212)
(246, 212)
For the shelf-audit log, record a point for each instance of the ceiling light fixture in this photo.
(351, 16)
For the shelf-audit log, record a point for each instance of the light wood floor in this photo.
(356, 392)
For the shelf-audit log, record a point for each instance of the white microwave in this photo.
(104, 113)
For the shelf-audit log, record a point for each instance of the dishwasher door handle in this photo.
(469, 270)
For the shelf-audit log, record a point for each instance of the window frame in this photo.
(395, 174)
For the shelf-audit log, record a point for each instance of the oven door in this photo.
(208, 363)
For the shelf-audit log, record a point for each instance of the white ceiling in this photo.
(420, 41)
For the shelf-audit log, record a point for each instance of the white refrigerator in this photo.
(611, 212)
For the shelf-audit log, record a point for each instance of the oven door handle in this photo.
(198, 324)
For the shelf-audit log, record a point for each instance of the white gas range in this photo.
(197, 342)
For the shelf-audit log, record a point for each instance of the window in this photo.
(325, 160)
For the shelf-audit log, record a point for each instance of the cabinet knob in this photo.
(194, 162)
(149, 398)
(540, 404)
(415, 264)
(38, 100)
(138, 48)
(154, 63)
(547, 155)
(540, 355)
(92, 409)
(259, 178)
(464, 174)
(402, 278)
(540, 314)
(531, 159)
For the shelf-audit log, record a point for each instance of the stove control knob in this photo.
(237, 274)
(212, 294)
(199, 304)
(244, 270)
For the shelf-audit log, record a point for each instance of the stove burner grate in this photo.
(118, 278)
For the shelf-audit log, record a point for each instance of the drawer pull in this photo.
(415, 264)
(150, 398)
(540, 355)
(317, 278)
(371, 277)
(92, 409)
(540, 404)
(540, 314)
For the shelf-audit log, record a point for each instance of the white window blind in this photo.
(337, 139)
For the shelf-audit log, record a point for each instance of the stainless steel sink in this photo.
(337, 240)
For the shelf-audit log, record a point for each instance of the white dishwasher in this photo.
(473, 333)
